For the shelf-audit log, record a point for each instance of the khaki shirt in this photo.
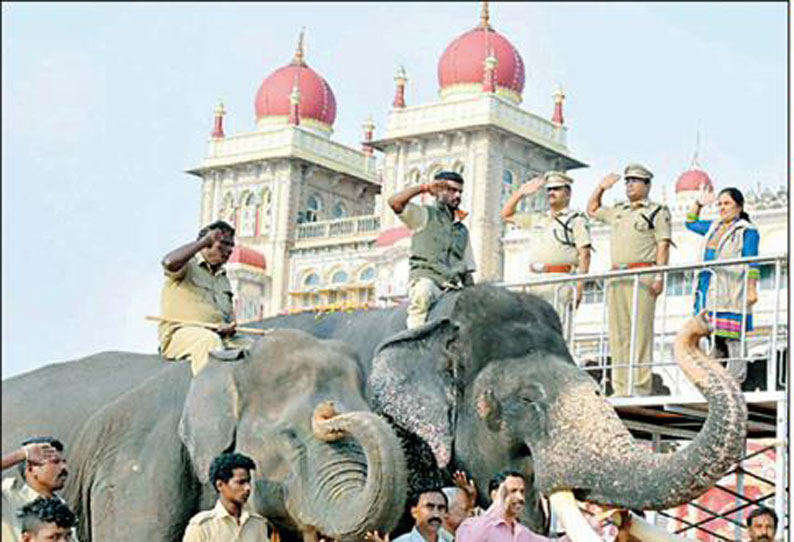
(195, 293)
(218, 525)
(631, 238)
(415, 217)
(17, 494)
(547, 244)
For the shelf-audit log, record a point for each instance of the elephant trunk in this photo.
(610, 468)
(348, 495)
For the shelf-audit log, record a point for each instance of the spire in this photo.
(217, 129)
(369, 129)
(399, 96)
(489, 74)
(695, 162)
(485, 16)
(559, 98)
(294, 103)
(297, 60)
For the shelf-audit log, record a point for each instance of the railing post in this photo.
(771, 368)
(635, 295)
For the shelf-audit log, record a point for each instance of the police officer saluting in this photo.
(441, 258)
(639, 237)
(559, 244)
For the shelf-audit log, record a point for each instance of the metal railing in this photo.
(581, 342)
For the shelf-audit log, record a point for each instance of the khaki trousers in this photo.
(619, 299)
(196, 343)
(558, 295)
(422, 293)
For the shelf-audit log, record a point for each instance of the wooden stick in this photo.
(248, 330)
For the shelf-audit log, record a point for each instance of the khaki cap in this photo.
(637, 171)
(557, 178)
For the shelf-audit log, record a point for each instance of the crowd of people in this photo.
(34, 512)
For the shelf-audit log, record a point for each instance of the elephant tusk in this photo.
(576, 527)
(648, 532)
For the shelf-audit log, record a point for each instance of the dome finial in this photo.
(299, 51)
(485, 16)
(294, 103)
(695, 161)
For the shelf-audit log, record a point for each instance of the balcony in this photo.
(343, 230)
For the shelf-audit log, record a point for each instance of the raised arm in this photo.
(594, 203)
(36, 453)
(526, 189)
(399, 200)
(177, 258)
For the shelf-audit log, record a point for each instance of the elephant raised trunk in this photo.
(609, 468)
(343, 495)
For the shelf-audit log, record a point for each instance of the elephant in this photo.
(139, 464)
(487, 384)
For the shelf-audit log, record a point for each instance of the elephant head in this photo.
(515, 399)
(296, 406)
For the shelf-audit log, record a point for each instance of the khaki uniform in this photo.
(17, 494)
(218, 525)
(195, 293)
(440, 256)
(635, 231)
(554, 244)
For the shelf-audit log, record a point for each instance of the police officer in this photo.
(559, 244)
(639, 237)
(441, 257)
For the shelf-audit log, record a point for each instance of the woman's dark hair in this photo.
(736, 195)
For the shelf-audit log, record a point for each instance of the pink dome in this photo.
(463, 60)
(248, 256)
(317, 99)
(693, 179)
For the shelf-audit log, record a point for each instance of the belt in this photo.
(634, 265)
(546, 268)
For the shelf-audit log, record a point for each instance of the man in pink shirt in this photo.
(500, 522)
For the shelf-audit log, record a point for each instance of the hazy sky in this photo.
(105, 105)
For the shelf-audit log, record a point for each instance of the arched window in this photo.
(339, 277)
(458, 167)
(264, 211)
(248, 215)
(314, 206)
(412, 178)
(339, 210)
(432, 170)
(508, 185)
(367, 275)
(312, 279)
(226, 211)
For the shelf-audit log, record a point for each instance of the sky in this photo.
(105, 105)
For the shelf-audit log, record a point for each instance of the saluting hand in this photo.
(38, 453)
(532, 186)
(609, 181)
(466, 484)
(706, 196)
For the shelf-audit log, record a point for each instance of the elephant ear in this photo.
(209, 417)
(414, 381)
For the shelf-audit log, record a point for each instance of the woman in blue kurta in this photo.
(721, 293)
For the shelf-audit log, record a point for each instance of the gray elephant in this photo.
(489, 384)
(139, 464)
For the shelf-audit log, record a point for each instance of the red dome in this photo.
(248, 256)
(463, 61)
(317, 99)
(693, 180)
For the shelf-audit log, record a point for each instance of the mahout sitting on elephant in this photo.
(487, 384)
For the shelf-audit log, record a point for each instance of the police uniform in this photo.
(16, 494)
(635, 230)
(218, 525)
(196, 293)
(554, 246)
(440, 256)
